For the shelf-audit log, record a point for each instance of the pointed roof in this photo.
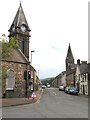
(20, 18)
(69, 53)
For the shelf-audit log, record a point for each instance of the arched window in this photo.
(10, 80)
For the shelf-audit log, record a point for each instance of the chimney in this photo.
(78, 62)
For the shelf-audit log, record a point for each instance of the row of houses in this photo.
(76, 75)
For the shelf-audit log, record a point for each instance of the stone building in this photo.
(63, 78)
(14, 84)
(70, 78)
(70, 68)
(60, 80)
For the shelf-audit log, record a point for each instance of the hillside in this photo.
(47, 80)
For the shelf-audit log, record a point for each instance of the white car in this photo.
(43, 86)
(48, 86)
(62, 88)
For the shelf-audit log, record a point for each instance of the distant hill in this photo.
(47, 80)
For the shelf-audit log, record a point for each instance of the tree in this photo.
(6, 51)
(6, 47)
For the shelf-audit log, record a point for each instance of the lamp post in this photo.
(31, 63)
(31, 55)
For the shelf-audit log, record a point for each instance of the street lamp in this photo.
(31, 63)
(31, 55)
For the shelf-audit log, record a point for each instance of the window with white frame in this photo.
(10, 80)
(86, 77)
(83, 77)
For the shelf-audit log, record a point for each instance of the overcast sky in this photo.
(54, 24)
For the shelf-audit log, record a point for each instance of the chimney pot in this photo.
(78, 62)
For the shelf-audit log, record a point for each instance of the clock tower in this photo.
(21, 31)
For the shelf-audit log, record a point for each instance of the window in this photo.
(10, 80)
(85, 77)
(81, 88)
(79, 77)
(86, 88)
(22, 44)
(88, 76)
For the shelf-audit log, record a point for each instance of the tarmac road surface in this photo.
(53, 104)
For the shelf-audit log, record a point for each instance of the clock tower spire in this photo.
(21, 31)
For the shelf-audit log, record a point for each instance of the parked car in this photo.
(61, 88)
(66, 89)
(48, 86)
(73, 90)
(43, 86)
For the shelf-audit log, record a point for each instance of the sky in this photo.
(54, 24)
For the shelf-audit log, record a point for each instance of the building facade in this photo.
(60, 80)
(13, 83)
(70, 68)
(82, 77)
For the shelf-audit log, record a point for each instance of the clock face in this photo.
(23, 28)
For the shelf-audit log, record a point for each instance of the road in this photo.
(53, 104)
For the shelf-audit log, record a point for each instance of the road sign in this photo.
(33, 95)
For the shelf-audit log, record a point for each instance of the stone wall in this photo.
(20, 84)
(70, 79)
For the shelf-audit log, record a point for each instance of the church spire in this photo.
(69, 53)
(69, 59)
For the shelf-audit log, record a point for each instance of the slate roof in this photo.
(20, 18)
(83, 68)
(17, 56)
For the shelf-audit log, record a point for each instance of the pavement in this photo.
(7, 102)
(81, 95)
